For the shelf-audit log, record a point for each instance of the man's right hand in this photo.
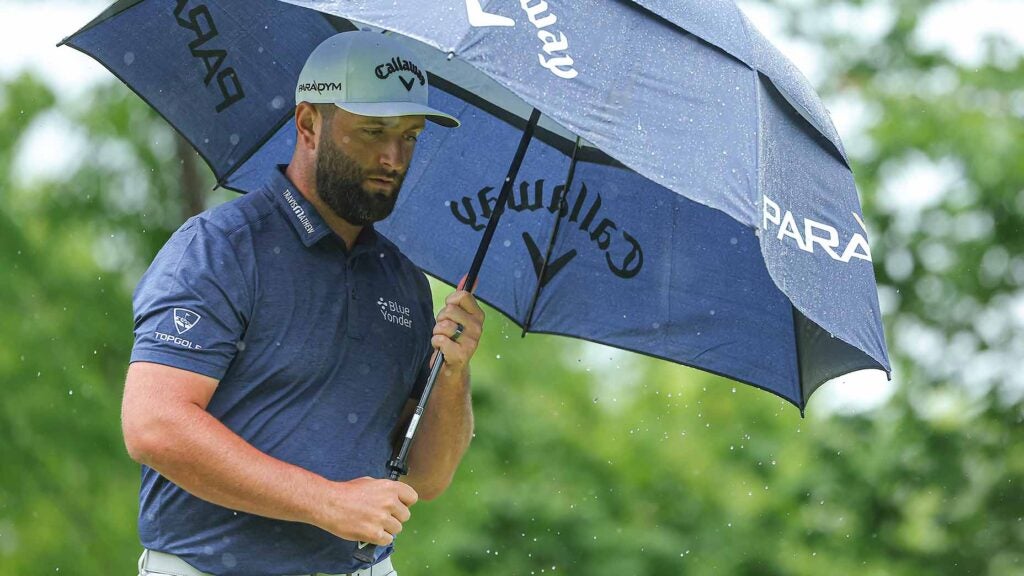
(166, 427)
(367, 509)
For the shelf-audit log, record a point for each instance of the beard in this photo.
(339, 184)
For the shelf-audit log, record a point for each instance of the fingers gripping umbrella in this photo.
(709, 218)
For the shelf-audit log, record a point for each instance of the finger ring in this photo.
(458, 331)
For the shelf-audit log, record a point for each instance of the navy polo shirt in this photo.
(317, 349)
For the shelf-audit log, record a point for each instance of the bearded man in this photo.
(280, 341)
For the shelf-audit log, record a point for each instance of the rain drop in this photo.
(129, 58)
(353, 418)
(234, 139)
(277, 103)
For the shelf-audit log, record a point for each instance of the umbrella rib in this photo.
(799, 361)
(562, 210)
(110, 12)
(587, 154)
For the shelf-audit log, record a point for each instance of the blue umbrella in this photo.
(711, 217)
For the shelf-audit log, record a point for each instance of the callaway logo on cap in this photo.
(369, 74)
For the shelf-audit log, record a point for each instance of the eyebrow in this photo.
(373, 121)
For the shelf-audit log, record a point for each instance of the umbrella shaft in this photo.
(506, 189)
(398, 466)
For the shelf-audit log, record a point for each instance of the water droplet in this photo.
(234, 139)
(129, 58)
(277, 103)
(353, 418)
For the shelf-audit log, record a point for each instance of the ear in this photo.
(307, 126)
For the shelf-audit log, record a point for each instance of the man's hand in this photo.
(462, 309)
(366, 509)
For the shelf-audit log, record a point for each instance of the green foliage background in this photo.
(589, 465)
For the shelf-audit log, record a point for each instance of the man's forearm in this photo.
(198, 453)
(443, 435)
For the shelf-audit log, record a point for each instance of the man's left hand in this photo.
(461, 309)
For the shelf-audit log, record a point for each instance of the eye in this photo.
(372, 131)
(412, 137)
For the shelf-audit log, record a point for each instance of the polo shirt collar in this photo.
(302, 215)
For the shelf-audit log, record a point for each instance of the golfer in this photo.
(280, 343)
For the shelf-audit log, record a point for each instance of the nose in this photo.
(394, 155)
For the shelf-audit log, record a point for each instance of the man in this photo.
(280, 342)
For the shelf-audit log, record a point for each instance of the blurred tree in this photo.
(74, 246)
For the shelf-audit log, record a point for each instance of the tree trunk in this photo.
(192, 197)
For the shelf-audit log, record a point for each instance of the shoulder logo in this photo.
(185, 319)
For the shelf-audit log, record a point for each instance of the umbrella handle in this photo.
(397, 467)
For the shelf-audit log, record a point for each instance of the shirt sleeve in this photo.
(192, 306)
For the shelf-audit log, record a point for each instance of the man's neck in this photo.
(306, 184)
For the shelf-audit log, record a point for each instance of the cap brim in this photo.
(388, 109)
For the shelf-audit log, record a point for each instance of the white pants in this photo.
(160, 564)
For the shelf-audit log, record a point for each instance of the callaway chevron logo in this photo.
(383, 71)
(581, 213)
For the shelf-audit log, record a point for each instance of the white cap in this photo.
(369, 74)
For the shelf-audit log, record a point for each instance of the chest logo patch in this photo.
(394, 312)
(185, 320)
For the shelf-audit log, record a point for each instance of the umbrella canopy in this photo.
(712, 221)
